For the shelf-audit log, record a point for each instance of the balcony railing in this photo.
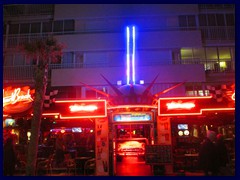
(15, 73)
(208, 33)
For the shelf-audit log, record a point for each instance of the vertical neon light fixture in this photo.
(128, 56)
(131, 55)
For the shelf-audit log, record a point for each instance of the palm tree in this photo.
(42, 52)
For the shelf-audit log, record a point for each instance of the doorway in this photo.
(129, 149)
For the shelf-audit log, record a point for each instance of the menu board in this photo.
(158, 154)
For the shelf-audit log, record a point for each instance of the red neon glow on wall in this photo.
(180, 105)
(17, 96)
(77, 108)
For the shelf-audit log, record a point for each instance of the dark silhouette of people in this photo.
(222, 153)
(9, 158)
(207, 154)
(60, 150)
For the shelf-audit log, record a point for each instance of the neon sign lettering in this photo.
(77, 108)
(180, 105)
(16, 97)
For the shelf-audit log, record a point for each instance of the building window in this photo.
(35, 27)
(95, 94)
(19, 60)
(67, 58)
(68, 92)
(47, 27)
(213, 58)
(215, 6)
(187, 21)
(69, 25)
(202, 18)
(186, 53)
(8, 60)
(220, 19)
(182, 21)
(216, 20)
(24, 28)
(191, 21)
(13, 28)
(4, 28)
(211, 20)
(79, 59)
(230, 19)
(58, 26)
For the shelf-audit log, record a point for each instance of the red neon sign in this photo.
(190, 106)
(17, 96)
(180, 105)
(17, 100)
(79, 108)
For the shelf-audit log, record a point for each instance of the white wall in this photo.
(91, 76)
(116, 41)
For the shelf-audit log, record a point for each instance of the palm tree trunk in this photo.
(40, 89)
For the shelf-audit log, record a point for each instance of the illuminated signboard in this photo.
(75, 109)
(17, 100)
(190, 106)
(132, 117)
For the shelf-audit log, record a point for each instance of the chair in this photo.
(71, 165)
(89, 167)
(45, 165)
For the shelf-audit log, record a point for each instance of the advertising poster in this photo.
(102, 147)
(164, 130)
